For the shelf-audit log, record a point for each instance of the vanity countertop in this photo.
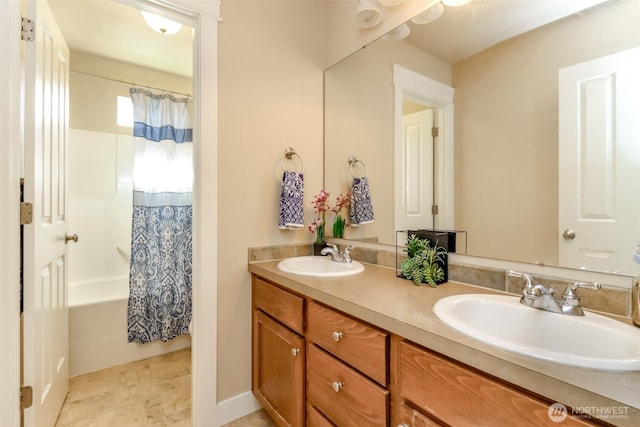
(379, 297)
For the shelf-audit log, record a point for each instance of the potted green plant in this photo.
(425, 263)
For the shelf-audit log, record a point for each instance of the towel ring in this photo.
(352, 161)
(289, 153)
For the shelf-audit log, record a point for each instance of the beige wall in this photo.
(271, 56)
(506, 131)
(93, 100)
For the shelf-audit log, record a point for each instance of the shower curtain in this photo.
(160, 273)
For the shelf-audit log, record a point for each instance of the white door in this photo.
(599, 163)
(414, 172)
(45, 318)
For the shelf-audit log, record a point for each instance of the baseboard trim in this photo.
(237, 407)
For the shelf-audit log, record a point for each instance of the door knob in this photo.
(337, 386)
(67, 238)
(569, 234)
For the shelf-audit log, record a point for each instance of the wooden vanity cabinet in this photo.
(316, 366)
(316, 419)
(278, 353)
(431, 390)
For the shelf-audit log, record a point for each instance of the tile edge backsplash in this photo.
(610, 299)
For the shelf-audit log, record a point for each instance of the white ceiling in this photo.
(113, 30)
(116, 31)
(467, 30)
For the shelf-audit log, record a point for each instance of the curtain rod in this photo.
(132, 84)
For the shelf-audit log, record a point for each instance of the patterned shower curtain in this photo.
(160, 274)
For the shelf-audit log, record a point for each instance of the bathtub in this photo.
(98, 328)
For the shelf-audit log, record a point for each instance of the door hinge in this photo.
(434, 209)
(27, 29)
(434, 132)
(26, 396)
(26, 213)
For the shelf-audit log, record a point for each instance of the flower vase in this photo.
(318, 247)
(320, 243)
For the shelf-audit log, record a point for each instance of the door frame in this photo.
(205, 17)
(439, 96)
(10, 173)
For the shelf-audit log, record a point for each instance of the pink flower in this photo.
(315, 224)
(342, 201)
(319, 202)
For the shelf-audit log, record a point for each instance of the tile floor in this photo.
(257, 419)
(149, 392)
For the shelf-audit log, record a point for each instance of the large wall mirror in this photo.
(537, 158)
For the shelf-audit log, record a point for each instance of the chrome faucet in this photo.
(336, 255)
(570, 302)
(538, 296)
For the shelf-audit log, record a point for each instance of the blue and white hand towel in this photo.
(361, 210)
(291, 201)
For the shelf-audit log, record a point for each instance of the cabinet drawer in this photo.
(460, 396)
(342, 394)
(410, 417)
(278, 303)
(354, 342)
(316, 419)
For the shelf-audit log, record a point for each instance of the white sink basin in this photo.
(589, 341)
(319, 266)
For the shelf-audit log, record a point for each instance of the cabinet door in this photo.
(459, 396)
(278, 370)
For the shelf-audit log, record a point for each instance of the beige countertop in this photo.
(379, 297)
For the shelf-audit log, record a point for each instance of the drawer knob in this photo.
(337, 336)
(295, 351)
(337, 386)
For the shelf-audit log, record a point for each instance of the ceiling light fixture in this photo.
(367, 15)
(429, 15)
(455, 2)
(397, 33)
(391, 3)
(162, 25)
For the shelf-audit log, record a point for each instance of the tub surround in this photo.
(396, 305)
(98, 328)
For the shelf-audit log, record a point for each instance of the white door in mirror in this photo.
(598, 148)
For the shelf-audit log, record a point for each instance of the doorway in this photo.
(205, 322)
(100, 168)
(416, 167)
(425, 94)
